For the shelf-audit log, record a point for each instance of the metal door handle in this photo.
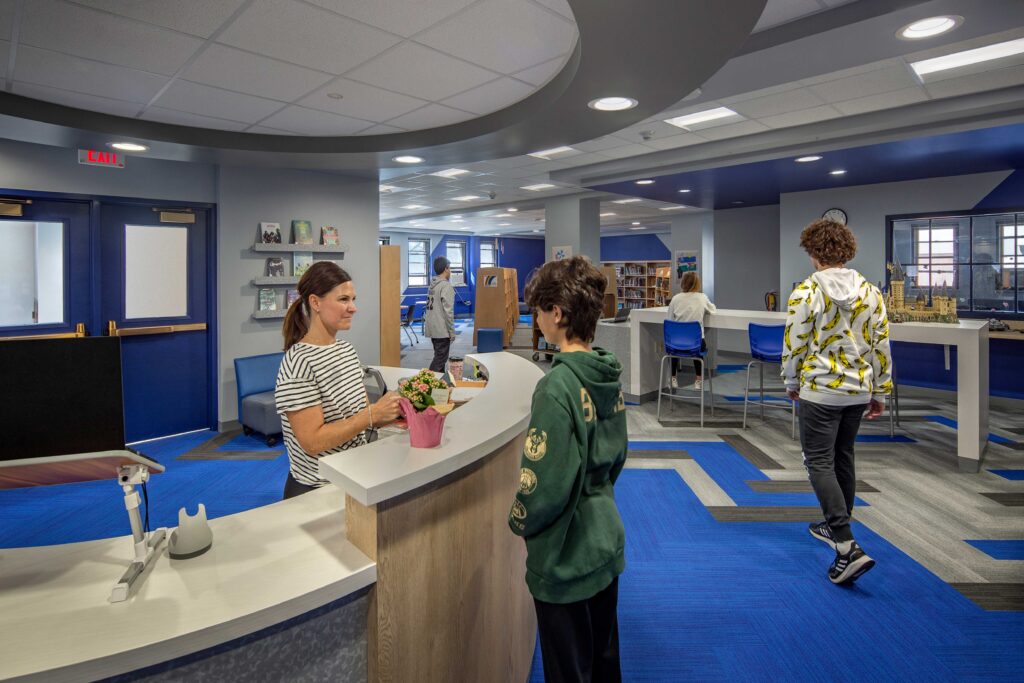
(114, 331)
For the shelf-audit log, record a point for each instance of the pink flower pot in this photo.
(425, 428)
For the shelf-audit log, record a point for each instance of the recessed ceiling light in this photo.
(968, 57)
(640, 228)
(701, 117)
(503, 215)
(684, 191)
(838, 171)
(335, 95)
(511, 209)
(458, 215)
(504, 224)
(129, 146)
(407, 159)
(546, 154)
(612, 103)
(808, 158)
(415, 207)
(932, 26)
(450, 173)
(672, 208)
(536, 230)
(606, 214)
(538, 187)
(627, 201)
(466, 198)
(636, 222)
(645, 181)
(457, 220)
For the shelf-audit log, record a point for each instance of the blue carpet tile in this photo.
(884, 438)
(1001, 550)
(737, 601)
(67, 513)
(943, 420)
(1014, 475)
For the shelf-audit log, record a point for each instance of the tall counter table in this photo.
(643, 344)
(292, 589)
(451, 602)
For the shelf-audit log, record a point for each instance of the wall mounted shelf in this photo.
(315, 248)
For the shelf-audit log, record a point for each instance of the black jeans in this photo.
(579, 641)
(294, 488)
(677, 363)
(827, 434)
(441, 349)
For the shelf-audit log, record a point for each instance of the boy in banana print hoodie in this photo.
(836, 362)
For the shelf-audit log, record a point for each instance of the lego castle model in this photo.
(941, 308)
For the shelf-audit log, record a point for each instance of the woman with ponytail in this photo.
(320, 394)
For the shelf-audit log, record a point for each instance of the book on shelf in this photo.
(275, 267)
(302, 232)
(270, 233)
(329, 236)
(293, 296)
(301, 261)
(268, 300)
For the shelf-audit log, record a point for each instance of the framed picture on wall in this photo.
(686, 262)
(561, 253)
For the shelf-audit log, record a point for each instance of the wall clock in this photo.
(837, 215)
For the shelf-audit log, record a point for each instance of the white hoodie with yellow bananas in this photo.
(836, 343)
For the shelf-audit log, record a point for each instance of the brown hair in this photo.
(321, 278)
(576, 287)
(690, 281)
(829, 242)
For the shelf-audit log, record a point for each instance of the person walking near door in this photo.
(439, 321)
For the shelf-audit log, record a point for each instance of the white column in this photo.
(573, 222)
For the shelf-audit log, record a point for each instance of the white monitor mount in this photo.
(145, 545)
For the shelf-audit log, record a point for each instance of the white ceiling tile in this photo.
(513, 162)
(852, 71)
(6, 18)
(56, 70)
(96, 35)
(313, 122)
(182, 118)
(781, 103)
(361, 101)
(503, 35)
(778, 12)
(989, 80)
(560, 6)
(542, 73)
(599, 144)
(684, 140)
(105, 105)
(198, 17)
(403, 18)
(306, 35)
(266, 130)
(887, 100)
(888, 79)
(646, 131)
(226, 67)
(732, 130)
(799, 118)
(421, 72)
(222, 104)
(430, 116)
(626, 151)
(491, 97)
(381, 129)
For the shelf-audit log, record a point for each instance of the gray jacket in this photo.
(439, 321)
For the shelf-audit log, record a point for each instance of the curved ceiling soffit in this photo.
(656, 51)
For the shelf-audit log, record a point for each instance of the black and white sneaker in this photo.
(823, 533)
(849, 567)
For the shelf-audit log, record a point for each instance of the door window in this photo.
(32, 267)
(155, 271)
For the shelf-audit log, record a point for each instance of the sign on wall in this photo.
(686, 261)
(561, 253)
(94, 157)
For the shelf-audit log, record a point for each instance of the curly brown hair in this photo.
(576, 287)
(829, 242)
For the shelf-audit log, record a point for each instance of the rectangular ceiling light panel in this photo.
(538, 187)
(968, 57)
(546, 154)
(685, 122)
(450, 173)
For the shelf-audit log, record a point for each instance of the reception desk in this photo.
(404, 564)
(641, 342)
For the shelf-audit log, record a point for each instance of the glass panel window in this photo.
(31, 273)
(455, 250)
(383, 241)
(419, 254)
(488, 255)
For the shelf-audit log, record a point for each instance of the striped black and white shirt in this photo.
(328, 376)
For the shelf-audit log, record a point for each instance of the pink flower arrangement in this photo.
(418, 389)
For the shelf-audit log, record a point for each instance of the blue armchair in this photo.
(256, 377)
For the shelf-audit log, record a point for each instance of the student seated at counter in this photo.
(320, 394)
(690, 305)
(575, 449)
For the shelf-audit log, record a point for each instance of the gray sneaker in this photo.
(849, 567)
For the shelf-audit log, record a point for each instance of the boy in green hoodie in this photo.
(565, 508)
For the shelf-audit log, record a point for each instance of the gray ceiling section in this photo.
(654, 50)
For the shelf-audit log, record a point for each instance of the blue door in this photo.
(156, 282)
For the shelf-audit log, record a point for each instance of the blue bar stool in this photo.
(683, 340)
(766, 347)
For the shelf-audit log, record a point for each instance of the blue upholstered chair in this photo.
(489, 339)
(766, 343)
(683, 340)
(256, 377)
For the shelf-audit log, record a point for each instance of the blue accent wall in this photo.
(634, 248)
(525, 255)
(1008, 194)
(923, 365)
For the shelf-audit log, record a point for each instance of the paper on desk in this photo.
(463, 394)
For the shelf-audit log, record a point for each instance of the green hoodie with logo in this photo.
(565, 508)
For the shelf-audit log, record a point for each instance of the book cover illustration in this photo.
(329, 235)
(275, 267)
(270, 233)
(268, 300)
(302, 232)
(301, 263)
(293, 296)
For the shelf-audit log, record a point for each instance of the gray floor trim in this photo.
(1007, 499)
(208, 450)
(797, 486)
(673, 455)
(752, 453)
(792, 513)
(994, 596)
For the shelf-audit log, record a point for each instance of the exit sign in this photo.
(93, 157)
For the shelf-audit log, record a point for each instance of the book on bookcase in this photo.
(275, 267)
(301, 261)
(329, 236)
(302, 232)
(270, 233)
(293, 296)
(268, 300)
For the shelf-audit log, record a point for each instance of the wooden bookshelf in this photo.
(636, 282)
(663, 286)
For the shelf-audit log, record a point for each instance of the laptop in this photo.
(621, 316)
